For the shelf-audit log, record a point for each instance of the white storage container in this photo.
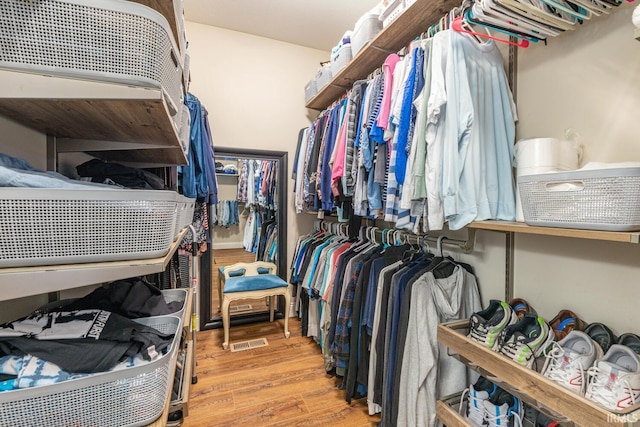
(129, 397)
(366, 29)
(391, 12)
(340, 58)
(310, 90)
(324, 76)
(544, 155)
(103, 40)
(604, 199)
(63, 226)
(184, 217)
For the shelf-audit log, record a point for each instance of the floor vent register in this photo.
(249, 345)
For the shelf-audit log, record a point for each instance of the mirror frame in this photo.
(207, 321)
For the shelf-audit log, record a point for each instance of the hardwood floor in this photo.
(282, 384)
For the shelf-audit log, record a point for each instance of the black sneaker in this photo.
(543, 421)
(601, 334)
(630, 340)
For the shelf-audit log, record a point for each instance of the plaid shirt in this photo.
(343, 327)
(242, 182)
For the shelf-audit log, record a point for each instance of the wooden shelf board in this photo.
(519, 227)
(21, 282)
(527, 382)
(449, 416)
(413, 21)
(87, 110)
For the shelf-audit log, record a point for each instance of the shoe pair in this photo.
(499, 328)
(601, 334)
(489, 405)
(577, 363)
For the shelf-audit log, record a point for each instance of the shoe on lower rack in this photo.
(544, 421)
(477, 393)
(525, 340)
(615, 379)
(503, 409)
(600, 333)
(630, 340)
(568, 360)
(565, 322)
(521, 307)
(486, 325)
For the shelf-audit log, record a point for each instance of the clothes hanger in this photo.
(457, 26)
(534, 38)
(489, 10)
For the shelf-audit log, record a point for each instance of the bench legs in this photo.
(271, 293)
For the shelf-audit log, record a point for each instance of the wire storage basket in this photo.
(102, 40)
(130, 397)
(603, 199)
(63, 226)
(185, 208)
(173, 295)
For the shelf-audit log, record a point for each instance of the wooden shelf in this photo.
(95, 112)
(519, 227)
(523, 382)
(413, 22)
(21, 282)
(449, 416)
(235, 175)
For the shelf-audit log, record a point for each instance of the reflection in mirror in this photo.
(246, 225)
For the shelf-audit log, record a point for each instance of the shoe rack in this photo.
(528, 385)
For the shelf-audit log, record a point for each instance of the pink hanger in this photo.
(457, 26)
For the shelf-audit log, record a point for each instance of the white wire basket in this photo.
(103, 40)
(604, 199)
(185, 209)
(366, 29)
(63, 226)
(131, 397)
(173, 295)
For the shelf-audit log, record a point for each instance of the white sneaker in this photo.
(503, 410)
(615, 379)
(568, 360)
(485, 326)
(477, 393)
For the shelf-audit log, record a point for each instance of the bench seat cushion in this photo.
(253, 283)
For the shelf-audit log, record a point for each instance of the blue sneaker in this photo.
(477, 393)
(504, 410)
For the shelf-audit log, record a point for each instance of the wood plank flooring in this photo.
(283, 384)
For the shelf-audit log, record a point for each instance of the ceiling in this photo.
(313, 23)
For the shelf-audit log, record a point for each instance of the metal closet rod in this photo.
(466, 246)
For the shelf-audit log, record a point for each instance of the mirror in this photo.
(245, 226)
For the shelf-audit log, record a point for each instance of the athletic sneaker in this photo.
(521, 307)
(544, 421)
(568, 360)
(630, 340)
(486, 325)
(477, 393)
(565, 322)
(615, 379)
(600, 333)
(503, 409)
(525, 340)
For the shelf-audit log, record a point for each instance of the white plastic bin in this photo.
(341, 58)
(544, 155)
(310, 90)
(366, 29)
(601, 199)
(324, 76)
(130, 397)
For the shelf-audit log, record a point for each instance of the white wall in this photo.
(19, 141)
(587, 80)
(253, 88)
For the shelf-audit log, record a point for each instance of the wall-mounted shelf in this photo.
(102, 113)
(519, 227)
(526, 383)
(234, 175)
(21, 282)
(413, 21)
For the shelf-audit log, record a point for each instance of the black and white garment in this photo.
(83, 341)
